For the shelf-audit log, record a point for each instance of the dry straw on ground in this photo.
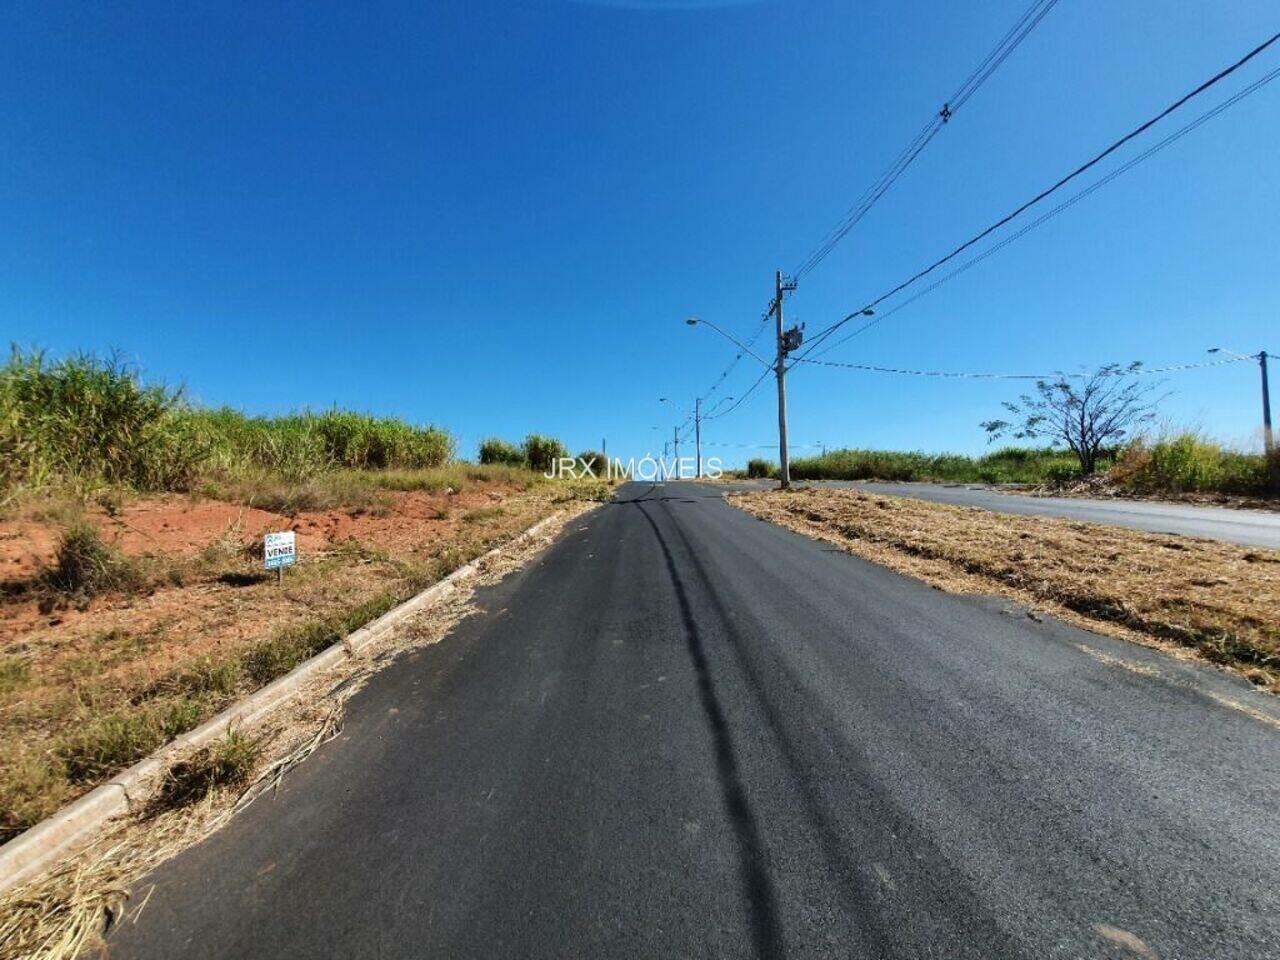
(65, 912)
(1219, 600)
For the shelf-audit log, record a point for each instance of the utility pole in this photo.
(1268, 443)
(697, 432)
(787, 340)
(1270, 452)
(675, 446)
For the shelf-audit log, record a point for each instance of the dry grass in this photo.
(225, 764)
(1219, 600)
(66, 912)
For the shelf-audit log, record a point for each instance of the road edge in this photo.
(75, 826)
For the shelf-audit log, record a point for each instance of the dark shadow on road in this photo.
(757, 886)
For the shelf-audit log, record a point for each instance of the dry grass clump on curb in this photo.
(60, 915)
(1219, 599)
(227, 763)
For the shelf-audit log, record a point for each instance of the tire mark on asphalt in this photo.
(757, 885)
(806, 743)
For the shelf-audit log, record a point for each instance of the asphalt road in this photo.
(1255, 528)
(686, 733)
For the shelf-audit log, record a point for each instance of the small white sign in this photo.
(279, 549)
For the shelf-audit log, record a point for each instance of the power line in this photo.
(757, 446)
(1084, 167)
(1008, 43)
(1131, 370)
(968, 375)
(724, 374)
(1060, 208)
(737, 403)
(1017, 33)
(999, 54)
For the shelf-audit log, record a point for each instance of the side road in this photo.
(687, 732)
(1258, 528)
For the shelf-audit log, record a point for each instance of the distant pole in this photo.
(604, 447)
(697, 432)
(675, 445)
(1268, 443)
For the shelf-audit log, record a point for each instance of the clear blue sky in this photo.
(496, 216)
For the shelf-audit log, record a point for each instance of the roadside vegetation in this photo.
(536, 453)
(1093, 431)
(1171, 464)
(87, 423)
(133, 603)
(1009, 465)
(1186, 462)
(1219, 600)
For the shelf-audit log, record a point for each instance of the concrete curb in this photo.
(74, 827)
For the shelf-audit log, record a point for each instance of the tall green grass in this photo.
(537, 452)
(1173, 463)
(1008, 465)
(1189, 463)
(85, 419)
(91, 421)
(497, 451)
(541, 453)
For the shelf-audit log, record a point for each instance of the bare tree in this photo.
(1094, 412)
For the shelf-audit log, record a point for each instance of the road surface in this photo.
(683, 732)
(1255, 528)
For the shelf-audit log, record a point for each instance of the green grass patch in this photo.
(112, 741)
(15, 673)
(483, 514)
(279, 654)
(33, 786)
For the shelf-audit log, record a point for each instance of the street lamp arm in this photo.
(694, 321)
(1232, 353)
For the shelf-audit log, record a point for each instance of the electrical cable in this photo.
(1121, 372)
(1026, 23)
(1060, 208)
(1078, 171)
